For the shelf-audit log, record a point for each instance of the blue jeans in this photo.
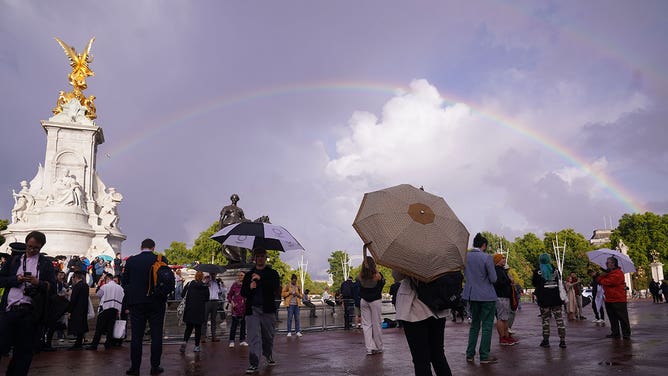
(293, 311)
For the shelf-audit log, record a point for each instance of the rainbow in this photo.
(183, 116)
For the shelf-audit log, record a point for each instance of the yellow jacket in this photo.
(292, 292)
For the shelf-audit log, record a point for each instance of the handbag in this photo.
(119, 329)
(562, 291)
(91, 311)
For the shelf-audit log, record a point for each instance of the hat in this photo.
(17, 248)
(498, 257)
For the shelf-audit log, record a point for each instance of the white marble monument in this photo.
(67, 199)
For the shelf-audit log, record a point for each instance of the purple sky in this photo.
(300, 107)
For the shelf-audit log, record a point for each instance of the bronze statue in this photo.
(229, 215)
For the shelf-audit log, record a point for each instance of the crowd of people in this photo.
(31, 282)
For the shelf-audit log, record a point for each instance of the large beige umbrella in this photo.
(412, 231)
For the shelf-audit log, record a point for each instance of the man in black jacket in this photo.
(144, 307)
(28, 280)
(260, 287)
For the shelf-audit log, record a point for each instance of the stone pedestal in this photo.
(657, 271)
(67, 200)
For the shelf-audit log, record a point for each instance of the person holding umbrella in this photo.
(424, 329)
(261, 285)
(614, 287)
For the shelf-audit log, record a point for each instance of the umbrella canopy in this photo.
(210, 268)
(600, 256)
(412, 231)
(256, 234)
(105, 257)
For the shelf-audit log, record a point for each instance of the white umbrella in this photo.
(600, 256)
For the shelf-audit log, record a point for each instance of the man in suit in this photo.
(143, 307)
(28, 280)
(78, 309)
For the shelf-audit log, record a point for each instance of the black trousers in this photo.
(619, 317)
(18, 331)
(154, 314)
(598, 313)
(105, 325)
(348, 312)
(425, 340)
(189, 331)
(311, 307)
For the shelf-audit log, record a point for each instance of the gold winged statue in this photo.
(80, 70)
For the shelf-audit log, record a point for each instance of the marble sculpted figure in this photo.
(66, 191)
(23, 202)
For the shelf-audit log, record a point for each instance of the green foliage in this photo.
(643, 233)
(205, 248)
(577, 246)
(336, 268)
(3, 226)
(283, 269)
(179, 254)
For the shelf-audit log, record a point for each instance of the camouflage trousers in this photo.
(545, 313)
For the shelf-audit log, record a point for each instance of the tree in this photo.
(3, 226)
(283, 269)
(642, 233)
(179, 254)
(577, 246)
(336, 267)
(205, 248)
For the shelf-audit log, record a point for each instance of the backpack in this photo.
(161, 282)
(442, 293)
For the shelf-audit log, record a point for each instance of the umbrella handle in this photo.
(364, 253)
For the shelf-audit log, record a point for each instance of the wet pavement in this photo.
(341, 352)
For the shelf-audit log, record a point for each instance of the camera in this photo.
(31, 291)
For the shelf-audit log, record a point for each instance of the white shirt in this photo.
(16, 295)
(111, 296)
(214, 290)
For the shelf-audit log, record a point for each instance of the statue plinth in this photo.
(657, 271)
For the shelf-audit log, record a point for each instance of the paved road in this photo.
(339, 352)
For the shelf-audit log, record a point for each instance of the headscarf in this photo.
(545, 266)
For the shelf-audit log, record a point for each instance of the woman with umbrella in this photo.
(371, 288)
(546, 281)
(196, 294)
(614, 287)
(424, 329)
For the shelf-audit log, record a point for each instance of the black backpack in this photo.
(442, 293)
(161, 280)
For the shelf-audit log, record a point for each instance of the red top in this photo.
(614, 286)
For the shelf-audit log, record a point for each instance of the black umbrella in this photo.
(257, 234)
(5, 255)
(210, 268)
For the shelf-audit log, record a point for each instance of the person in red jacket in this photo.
(614, 287)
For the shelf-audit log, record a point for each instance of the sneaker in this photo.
(196, 349)
(270, 360)
(377, 351)
(513, 339)
(299, 334)
(231, 344)
(289, 334)
(507, 341)
(251, 369)
(244, 343)
(369, 352)
(182, 348)
(596, 320)
(545, 343)
(489, 360)
(469, 360)
(562, 344)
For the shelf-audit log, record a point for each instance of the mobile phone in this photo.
(27, 274)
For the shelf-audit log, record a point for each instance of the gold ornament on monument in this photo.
(80, 70)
